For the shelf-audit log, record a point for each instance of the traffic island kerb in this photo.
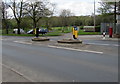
(70, 41)
(116, 35)
(40, 39)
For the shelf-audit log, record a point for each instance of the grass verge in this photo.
(81, 32)
(53, 34)
(48, 34)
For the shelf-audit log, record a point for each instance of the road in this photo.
(93, 40)
(41, 63)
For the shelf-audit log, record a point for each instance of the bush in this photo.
(97, 29)
(81, 27)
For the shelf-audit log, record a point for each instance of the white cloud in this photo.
(78, 7)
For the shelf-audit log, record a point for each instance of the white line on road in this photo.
(2, 39)
(22, 42)
(116, 45)
(17, 72)
(76, 49)
(104, 44)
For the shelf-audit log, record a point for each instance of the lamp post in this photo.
(115, 18)
(94, 14)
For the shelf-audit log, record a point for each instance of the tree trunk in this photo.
(34, 24)
(7, 28)
(47, 24)
(5, 25)
(18, 23)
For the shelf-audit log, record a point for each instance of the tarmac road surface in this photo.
(49, 64)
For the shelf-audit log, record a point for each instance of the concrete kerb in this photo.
(40, 39)
(98, 37)
(70, 41)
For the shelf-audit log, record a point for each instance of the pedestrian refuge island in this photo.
(74, 40)
(37, 38)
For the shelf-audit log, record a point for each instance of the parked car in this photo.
(41, 31)
(30, 31)
(15, 31)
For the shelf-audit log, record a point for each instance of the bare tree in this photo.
(17, 9)
(0, 15)
(36, 10)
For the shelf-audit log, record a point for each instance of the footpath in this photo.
(10, 75)
(92, 37)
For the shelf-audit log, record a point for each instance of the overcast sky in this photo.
(78, 7)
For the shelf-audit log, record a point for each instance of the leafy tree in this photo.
(110, 8)
(106, 7)
(48, 19)
(65, 17)
(28, 21)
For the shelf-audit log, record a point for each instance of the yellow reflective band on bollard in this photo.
(35, 31)
(73, 31)
(76, 34)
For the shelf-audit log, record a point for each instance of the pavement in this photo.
(12, 75)
(93, 37)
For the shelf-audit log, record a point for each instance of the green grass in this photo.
(18, 35)
(67, 31)
(62, 29)
(0, 31)
(81, 32)
(48, 34)
(53, 34)
(57, 31)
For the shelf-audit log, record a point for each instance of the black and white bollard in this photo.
(104, 35)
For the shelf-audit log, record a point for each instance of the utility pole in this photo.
(6, 23)
(94, 15)
(6, 17)
(115, 18)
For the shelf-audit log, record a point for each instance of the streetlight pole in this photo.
(94, 14)
(115, 18)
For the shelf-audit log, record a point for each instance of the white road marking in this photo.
(73, 81)
(22, 42)
(98, 44)
(18, 72)
(76, 49)
(104, 44)
(116, 45)
(2, 39)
